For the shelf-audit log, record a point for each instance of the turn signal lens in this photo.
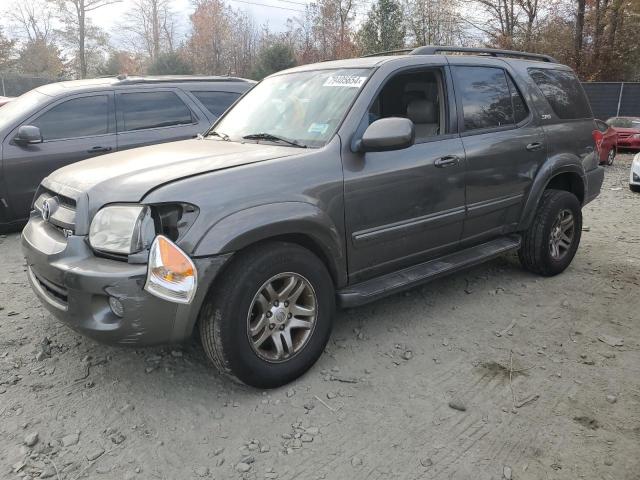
(171, 275)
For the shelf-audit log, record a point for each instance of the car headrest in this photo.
(422, 111)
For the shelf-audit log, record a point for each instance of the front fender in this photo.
(552, 167)
(255, 224)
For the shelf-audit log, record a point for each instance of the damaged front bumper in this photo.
(76, 286)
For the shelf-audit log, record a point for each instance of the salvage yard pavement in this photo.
(492, 373)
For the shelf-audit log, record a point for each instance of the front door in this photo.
(408, 205)
(72, 129)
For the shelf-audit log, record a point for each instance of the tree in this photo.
(434, 22)
(384, 28)
(120, 62)
(33, 20)
(169, 63)
(78, 29)
(211, 33)
(273, 59)
(7, 52)
(37, 57)
(151, 28)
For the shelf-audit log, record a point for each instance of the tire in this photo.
(611, 157)
(536, 252)
(239, 301)
(634, 188)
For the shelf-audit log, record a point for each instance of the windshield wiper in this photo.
(223, 136)
(273, 138)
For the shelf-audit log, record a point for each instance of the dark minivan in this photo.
(62, 123)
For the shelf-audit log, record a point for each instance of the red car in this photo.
(606, 139)
(628, 130)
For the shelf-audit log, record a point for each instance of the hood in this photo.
(128, 175)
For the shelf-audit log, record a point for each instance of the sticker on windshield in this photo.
(350, 81)
(320, 128)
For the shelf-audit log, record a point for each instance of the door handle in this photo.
(534, 147)
(448, 161)
(99, 149)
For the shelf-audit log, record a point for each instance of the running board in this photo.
(409, 277)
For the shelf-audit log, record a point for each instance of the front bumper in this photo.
(75, 285)
(629, 142)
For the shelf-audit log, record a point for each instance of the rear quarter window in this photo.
(216, 102)
(563, 91)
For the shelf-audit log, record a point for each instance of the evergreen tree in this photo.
(384, 29)
(274, 58)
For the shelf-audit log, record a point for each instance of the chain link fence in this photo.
(15, 84)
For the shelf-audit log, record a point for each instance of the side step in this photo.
(388, 284)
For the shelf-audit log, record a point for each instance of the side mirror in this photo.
(28, 135)
(393, 133)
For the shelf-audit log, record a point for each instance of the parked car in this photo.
(628, 130)
(634, 176)
(5, 100)
(338, 182)
(62, 123)
(606, 139)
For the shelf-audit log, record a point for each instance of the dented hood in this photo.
(128, 175)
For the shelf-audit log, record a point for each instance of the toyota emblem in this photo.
(48, 207)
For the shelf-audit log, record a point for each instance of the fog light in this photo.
(171, 274)
(116, 306)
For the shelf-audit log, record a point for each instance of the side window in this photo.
(485, 97)
(142, 110)
(79, 117)
(603, 127)
(520, 110)
(216, 102)
(563, 91)
(416, 96)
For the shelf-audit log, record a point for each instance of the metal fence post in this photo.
(620, 99)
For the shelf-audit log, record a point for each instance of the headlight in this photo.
(122, 229)
(171, 274)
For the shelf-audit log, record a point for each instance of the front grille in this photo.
(625, 135)
(58, 292)
(61, 209)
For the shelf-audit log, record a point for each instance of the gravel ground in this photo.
(491, 373)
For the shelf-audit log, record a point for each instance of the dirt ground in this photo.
(491, 373)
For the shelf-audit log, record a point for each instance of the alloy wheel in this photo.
(282, 317)
(562, 233)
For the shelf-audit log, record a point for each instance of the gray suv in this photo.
(61, 123)
(333, 183)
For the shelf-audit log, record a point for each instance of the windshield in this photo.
(303, 108)
(18, 108)
(624, 122)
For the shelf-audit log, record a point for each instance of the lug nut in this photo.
(286, 304)
(275, 304)
(281, 327)
(269, 314)
(272, 326)
(289, 316)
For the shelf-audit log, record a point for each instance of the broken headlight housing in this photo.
(122, 229)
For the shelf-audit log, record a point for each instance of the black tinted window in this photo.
(152, 109)
(520, 111)
(603, 127)
(216, 102)
(80, 117)
(563, 92)
(485, 97)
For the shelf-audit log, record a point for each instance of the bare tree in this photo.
(73, 14)
(33, 20)
(151, 27)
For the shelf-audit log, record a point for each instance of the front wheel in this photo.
(551, 242)
(268, 319)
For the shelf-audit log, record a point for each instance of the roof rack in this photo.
(389, 52)
(126, 80)
(493, 52)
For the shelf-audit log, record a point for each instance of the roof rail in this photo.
(388, 52)
(126, 80)
(493, 52)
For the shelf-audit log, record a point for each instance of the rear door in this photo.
(146, 117)
(73, 129)
(502, 143)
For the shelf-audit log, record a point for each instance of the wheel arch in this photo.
(562, 174)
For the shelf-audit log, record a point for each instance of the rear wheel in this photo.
(549, 245)
(611, 157)
(269, 318)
